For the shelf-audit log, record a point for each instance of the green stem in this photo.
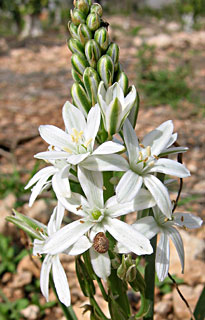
(102, 289)
(68, 311)
(97, 308)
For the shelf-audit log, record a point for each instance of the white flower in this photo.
(60, 180)
(114, 106)
(150, 226)
(77, 143)
(53, 261)
(99, 217)
(144, 162)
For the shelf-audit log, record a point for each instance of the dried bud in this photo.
(102, 38)
(93, 21)
(79, 63)
(92, 52)
(131, 273)
(80, 98)
(73, 30)
(76, 46)
(91, 82)
(105, 69)
(101, 243)
(83, 6)
(122, 79)
(96, 8)
(113, 52)
(84, 33)
(77, 16)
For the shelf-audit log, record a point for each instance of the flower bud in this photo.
(79, 63)
(73, 30)
(113, 52)
(131, 273)
(85, 281)
(134, 111)
(105, 69)
(122, 269)
(80, 98)
(76, 76)
(77, 16)
(93, 21)
(91, 82)
(102, 38)
(84, 33)
(138, 284)
(92, 52)
(96, 8)
(122, 79)
(83, 6)
(76, 46)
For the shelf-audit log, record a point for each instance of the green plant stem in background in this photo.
(97, 309)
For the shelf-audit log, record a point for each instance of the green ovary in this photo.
(96, 214)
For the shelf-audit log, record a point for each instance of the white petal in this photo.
(52, 223)
(100, 263)
(61, 186)
(147, 226)
(77, 158)
(48, 171)
(80, 246)
(108, 148)
(187, 220)
(143, 200)
(129, 237)
(173, 150)
(120, 248)
(55, 136)
(171, 167)
(160, 194)
(92, 185)
(159, 138)
(44, 277)
(60, 281)
(52, 155)
(74, 203)
(162, 257)
(177, 240)
(93, 123)
(131, 141)
(172, 140)
(59, 215)
(65, 237)
(36, 190)
(130, 98)
(129, 186)
(73, 118)
(108, 162)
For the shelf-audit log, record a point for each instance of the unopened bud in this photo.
(105, 69)
(96, 8)
(102, 38)
(134, 111)
(77, 16)
(76, 76)
(92, 52)
(122, 79)
(113, 52)
(83, 6)
(80, 98)
(73, 30)
(131, 273)
(76, 46)
(122, 269)
(79, 63)
(91, 82)
(93, 21)
(84, 33)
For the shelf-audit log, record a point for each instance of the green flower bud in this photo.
(113, 52)
(85, 281)
(93, 21)
(80, 98)
(122, 79)
(79, 63)
(105, 69)
(102, 38)
(92, 52)
(134, 111)
(77, 16)
(84, 33)
(73, 30)
(91, 82)
(131, 273)
(83, 6)
(138, 284)
(76, 46)
(96, 8)
(122, 269)
(76, 76)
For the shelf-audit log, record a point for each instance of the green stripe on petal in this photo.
(79, 63)
(80, 98)
(91, 82)
(113, 117)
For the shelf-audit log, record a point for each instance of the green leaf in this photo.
(199, 311)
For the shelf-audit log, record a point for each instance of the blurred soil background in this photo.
(162, 50)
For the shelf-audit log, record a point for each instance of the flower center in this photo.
(96, 214)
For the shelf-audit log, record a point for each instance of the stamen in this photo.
(81, 221)
(76, 135)
(145, 159)
(150, 164)
(140, 156)
(79, 208)
(67, 150)
(88, 142)
(156, 157)
(104, 188)
(141, 145)
(148, 149)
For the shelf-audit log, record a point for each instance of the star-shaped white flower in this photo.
(53, 261)
(150, 226)
(76, 144)
(97, 216)
(145, 162)
(114, 106)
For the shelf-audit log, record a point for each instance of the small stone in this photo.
(31, 312)
(173, 26)
(160, 41)
(6, 206)
(163, 308)
(32, 265)
(21, 279)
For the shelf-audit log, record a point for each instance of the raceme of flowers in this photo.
(78, 155)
